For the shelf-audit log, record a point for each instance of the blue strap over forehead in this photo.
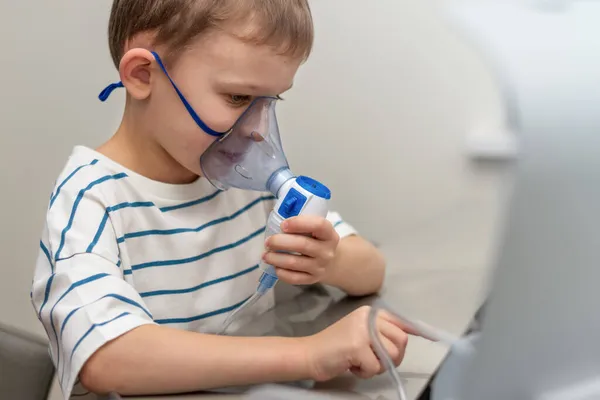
(104, 95)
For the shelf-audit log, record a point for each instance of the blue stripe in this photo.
(48, 256)
(98, 233)
(73, 286)
(114, 296)
(201, 316)
(106, 216)
(86, 334)
(135, 204)
(46, 294)
(77, 201)
(195, 258)
(201, 286)
(53, 198)
(191, 203)
(198, 229)
(338, 224)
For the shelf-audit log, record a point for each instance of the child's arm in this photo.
(153, 359)
(101, 331)
(358, 267)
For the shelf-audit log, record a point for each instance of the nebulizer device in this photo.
(250, 156)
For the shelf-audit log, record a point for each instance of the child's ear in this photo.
(135, 70)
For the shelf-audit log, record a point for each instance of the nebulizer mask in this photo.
(250, 156)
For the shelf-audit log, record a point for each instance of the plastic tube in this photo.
(238, 311)
(424, 330)
(383, 355)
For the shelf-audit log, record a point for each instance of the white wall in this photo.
(388, 99)
(54, 63)
(383, 106)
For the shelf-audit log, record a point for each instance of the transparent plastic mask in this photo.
(250, 153)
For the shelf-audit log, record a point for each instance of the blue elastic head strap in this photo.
(110, 88)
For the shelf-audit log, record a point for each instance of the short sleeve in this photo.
(78, 290)
(342, 227)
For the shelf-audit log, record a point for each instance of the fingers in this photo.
(292, 262)
(366, 365)
(394, 341)
(317, 227)
(295, 277)
(397, 322)
(393, 352)
(369, 364)
(302, 244)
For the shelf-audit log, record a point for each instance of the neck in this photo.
(133, 146)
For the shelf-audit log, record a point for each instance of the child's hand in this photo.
(313, 239)
(346, 346)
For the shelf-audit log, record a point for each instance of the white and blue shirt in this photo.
(119, 251)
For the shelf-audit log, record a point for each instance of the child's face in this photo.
(219, 75)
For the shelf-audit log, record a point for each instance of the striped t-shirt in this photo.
(119, 251)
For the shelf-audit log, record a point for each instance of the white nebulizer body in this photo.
(295, 196)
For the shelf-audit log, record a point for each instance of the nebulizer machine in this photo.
(250, 156)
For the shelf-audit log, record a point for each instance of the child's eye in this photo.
(238, 100)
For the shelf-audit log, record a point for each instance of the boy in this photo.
(141, 258)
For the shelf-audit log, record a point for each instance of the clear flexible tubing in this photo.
(424, 330)
(267, 281)
(238, 311)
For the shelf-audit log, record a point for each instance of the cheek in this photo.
(187, 146)
(217, 115)
(179, 135)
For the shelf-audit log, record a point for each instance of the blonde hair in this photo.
(284, 24)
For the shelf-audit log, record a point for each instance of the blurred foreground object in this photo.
(26, 370)
(539, 334)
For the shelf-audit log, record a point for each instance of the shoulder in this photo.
(84, 177)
